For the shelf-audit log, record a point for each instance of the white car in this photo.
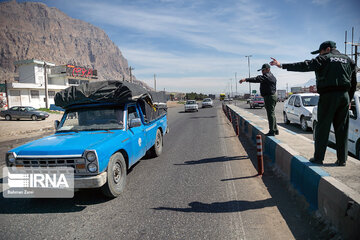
(298, 109)
(207, 102)
(191, 105)
(354, 126)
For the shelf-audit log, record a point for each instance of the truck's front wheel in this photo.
(116, 176)
(156, 150)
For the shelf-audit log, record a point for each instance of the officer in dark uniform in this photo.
(267, 90)
(336, 84)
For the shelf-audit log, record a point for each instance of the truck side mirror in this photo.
(56, 124)
(136, 122)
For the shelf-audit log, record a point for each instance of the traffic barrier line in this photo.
(336, 202)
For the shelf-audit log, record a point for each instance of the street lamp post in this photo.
(235, 84)
(248, 57)
(231, 91)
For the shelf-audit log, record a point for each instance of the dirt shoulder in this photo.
(171, 104)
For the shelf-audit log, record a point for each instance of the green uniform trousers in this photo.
(333, 107)
(270, 103)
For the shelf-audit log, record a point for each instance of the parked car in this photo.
(207, 102)
(257, 101)
(354, 126)
(191, 105)
(26, 112)
(101, 138)
(298, 109)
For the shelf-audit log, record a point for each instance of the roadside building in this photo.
(296, 89)
(29, 90)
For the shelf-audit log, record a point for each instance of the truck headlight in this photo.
(11, 157)
(92, 167)
(91, 156)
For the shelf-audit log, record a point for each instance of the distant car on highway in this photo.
(191, 105)
(257, 101)
(207, 102)
(281, 95)
(24, 112)
(354, 126)
(298, 109)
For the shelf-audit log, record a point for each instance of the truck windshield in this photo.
(86, 119)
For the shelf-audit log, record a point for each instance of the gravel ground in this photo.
(11, 130)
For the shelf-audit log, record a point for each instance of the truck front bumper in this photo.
(90, 181)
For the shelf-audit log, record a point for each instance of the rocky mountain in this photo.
(311, 82)
(34, 31)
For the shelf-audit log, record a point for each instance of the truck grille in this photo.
(78, 164)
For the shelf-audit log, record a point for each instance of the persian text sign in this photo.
(82, 72)
(27, 182)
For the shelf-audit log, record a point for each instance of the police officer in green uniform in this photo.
(267, 89)
(336, 84)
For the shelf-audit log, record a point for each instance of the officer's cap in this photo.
(264, 66)
(324, 46)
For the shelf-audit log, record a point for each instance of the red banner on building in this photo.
(81, 72)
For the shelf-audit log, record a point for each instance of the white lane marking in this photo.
(237, 222)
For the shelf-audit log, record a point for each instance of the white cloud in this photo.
(182, 72)
(231, 29)
(153, 61)
(215, 38)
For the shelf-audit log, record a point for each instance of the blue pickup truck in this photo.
(106, 128)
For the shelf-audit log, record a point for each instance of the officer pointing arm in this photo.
(336, 84)
(268, 90)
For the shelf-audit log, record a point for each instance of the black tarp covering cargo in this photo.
(111, 91)
(116, 92)
(158, 97)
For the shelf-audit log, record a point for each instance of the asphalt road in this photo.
(203, 186)
(279, 117)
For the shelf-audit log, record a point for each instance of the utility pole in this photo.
(352, 42)
(287, 88)
(353, 45)
(46, 87)
(235, 84)
(155, 82)
(231, 93)
(248, 57)
(7, 95)
(345, 41)
(130, 69)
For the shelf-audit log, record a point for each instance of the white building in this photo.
(30, 90)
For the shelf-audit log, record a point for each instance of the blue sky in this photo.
(199, 45)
